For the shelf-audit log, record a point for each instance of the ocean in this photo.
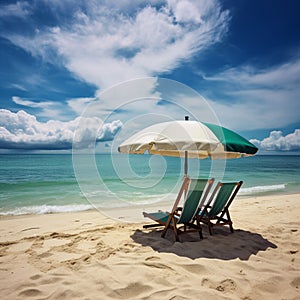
(52, 183)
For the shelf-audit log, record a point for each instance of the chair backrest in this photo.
(198, 189)
(222, 196)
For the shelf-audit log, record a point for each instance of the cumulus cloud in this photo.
(104, 44)
(23, 131)
(108, 131)
(278, 142)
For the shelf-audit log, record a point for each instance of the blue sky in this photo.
(59, 58)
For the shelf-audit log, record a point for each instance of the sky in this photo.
(96, 71)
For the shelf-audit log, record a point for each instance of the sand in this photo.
(89, 256)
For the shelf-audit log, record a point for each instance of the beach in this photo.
(114, 113)
(87, 255)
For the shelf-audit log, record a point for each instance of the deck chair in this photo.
(216, 211)
(193, 190)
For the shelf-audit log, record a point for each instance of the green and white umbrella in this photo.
(188, 139)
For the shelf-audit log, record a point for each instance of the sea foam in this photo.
(261, 189)
(45, 209)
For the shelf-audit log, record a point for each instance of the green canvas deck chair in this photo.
(216, 211)
(194, 191)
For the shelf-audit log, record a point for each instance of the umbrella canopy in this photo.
(198, 139)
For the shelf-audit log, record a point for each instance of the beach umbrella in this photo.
(188, 139)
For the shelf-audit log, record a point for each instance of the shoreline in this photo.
(88, 255)
(125, 211)
(165, 204)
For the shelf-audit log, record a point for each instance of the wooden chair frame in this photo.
(222, 217)
(173, 219)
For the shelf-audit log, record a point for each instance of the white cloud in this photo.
(48, 109)
(51, 109)
(19, 9)
(278, 142)
(192, 11)
(30, 103)
(78, 105)
(284, 75)
(105, 46)
(19, 87)
(22, 131)
(108, 131)
(107, 43)
(132, 96)
(253, 98)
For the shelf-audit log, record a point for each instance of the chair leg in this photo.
(152, 225)
(229, 220)
(164, 231)
(175, 229)
(231, 228)
(210, 228)
(200, 230)
(166, 226)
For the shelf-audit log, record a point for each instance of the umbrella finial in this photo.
(186, 118)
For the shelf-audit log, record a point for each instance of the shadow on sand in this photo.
(222, 245)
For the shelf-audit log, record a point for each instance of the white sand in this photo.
(88, 256)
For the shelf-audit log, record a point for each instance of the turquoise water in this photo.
(48, 183)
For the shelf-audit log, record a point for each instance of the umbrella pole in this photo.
(185, 163)
(186, 118)
(185, 171)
